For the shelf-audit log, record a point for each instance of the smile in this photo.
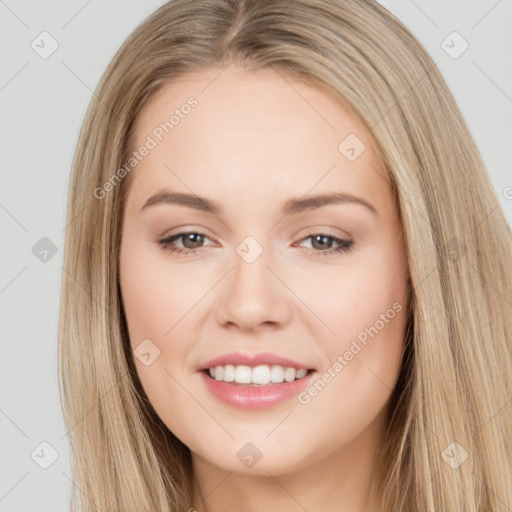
(261, 375)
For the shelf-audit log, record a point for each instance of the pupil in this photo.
(321, 245)
(194, 238)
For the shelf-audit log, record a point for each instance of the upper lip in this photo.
(253, 359)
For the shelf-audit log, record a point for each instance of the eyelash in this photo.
(344, 245)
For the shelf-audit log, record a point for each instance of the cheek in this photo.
(155, 297)
(154, 303)
(352, 296)
(362, 362)
(162, 304)
(365, 307)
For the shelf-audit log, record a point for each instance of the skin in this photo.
(255, 140)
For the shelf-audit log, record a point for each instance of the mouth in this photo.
(254, 382)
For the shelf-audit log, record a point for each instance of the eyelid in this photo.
(187, 228)
(327, 230)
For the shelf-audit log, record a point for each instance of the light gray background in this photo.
(42, 105)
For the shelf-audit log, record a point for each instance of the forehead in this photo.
(237, 131)
(249, 103)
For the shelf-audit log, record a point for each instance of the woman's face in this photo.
(293, 261)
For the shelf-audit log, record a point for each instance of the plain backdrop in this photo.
(42, 105)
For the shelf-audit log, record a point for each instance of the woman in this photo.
(298, 281)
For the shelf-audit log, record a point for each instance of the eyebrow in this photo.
(291, 206)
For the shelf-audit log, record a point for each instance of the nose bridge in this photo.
(250, 266)
(252, 294)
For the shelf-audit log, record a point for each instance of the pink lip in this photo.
(244, 358)
(244, 396)
(251, 397)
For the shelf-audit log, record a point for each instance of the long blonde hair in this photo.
(455, 382)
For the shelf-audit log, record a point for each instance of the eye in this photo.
(191, 241)
(322, 244)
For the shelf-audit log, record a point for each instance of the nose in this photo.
(253, 297)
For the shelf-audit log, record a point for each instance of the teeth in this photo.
(229, 373)
(277, 374)
(262, 374)
(289, 374)
(242, 374)
(219, 373)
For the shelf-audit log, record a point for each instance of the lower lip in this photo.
(254, 397)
